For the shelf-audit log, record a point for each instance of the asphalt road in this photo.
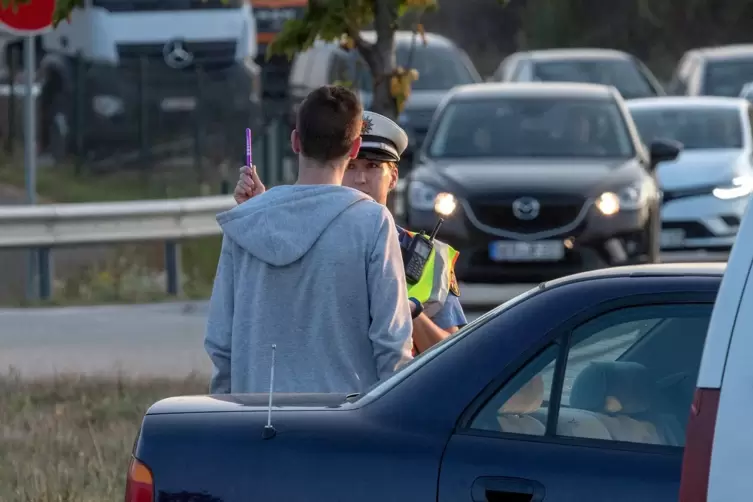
(155, 339)
(140, 340)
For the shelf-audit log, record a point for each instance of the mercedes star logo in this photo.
(176, 56)
(526, 208)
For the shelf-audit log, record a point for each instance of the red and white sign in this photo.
(32, 18)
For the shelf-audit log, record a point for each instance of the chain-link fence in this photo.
(154, 113)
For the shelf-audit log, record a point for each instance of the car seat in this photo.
(515, 414)
(623, 396)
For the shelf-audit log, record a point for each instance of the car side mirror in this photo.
(663, 150)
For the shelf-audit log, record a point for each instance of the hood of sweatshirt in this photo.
(282, 224)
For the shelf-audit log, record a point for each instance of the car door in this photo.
(596, 415)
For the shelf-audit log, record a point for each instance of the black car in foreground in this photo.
(548, 178)
(578, 390)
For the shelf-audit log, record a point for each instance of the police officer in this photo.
(435, 298)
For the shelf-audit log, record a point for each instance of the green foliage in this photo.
(13, 4)
(325, 20)
(63, 9)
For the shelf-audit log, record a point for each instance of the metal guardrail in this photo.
(44, 227)
(53, 225)
(47, 226)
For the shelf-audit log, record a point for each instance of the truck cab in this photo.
(120, 64)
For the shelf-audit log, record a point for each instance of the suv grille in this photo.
(554, 212)
(207, 55)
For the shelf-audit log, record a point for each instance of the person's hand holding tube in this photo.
(249, 185)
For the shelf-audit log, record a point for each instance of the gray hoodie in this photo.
(316, 270)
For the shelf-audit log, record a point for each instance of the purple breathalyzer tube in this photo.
(249, 160)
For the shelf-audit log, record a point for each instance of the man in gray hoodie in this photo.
(314, 268)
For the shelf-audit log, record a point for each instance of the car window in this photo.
(727, 78)
(629, 376)
(694, 127)
(380, 388)
(622, 74)
(439, 68)
(531, 127)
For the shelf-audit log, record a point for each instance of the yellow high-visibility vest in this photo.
(434, 286)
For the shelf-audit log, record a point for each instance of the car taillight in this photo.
(139, 484)
(696, 461)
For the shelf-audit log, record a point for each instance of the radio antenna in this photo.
(436, 229)
(269, 431)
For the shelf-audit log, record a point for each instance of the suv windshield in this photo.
(439, 68)
(727, 78)
(531, 127)
(695, 128)
(622, 74)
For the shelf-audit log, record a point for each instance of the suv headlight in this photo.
(421, 196)
(633, 196)
(629, 198)
(741, 186)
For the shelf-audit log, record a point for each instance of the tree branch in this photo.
(365, 48)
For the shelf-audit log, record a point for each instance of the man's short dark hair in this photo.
(328, 122)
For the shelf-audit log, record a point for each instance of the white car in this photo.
(718, 457)
(707, 188)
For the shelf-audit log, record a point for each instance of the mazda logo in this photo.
(176, 55)
(526, 208)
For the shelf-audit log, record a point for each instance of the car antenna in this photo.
(269, 430)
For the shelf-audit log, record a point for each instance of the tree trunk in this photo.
(382, 60)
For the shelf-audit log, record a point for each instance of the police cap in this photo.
(381, 138)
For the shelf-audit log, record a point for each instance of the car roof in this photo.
(577, 53)
(720, 52)
(688, 101)
(403, 37)
(701, 269)
(533, 89)
(406, 37)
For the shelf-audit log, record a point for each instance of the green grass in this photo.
(64, 184)
(129, 272)
(69, 439)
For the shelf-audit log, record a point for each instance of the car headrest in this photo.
(613, 387)
(528, 399)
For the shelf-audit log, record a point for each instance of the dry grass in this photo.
(69, 439)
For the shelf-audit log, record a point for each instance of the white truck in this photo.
(121, 63)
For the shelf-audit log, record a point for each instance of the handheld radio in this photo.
(417, 254)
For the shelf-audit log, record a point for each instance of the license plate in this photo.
(527, 251)
(674, 237)
(178, 104)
